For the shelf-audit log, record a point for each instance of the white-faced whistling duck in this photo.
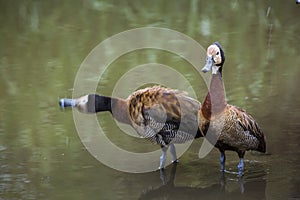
(235, 129)
(163, 116)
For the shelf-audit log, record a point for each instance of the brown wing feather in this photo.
(158, 99)
(248, 124)
(158, 108)
(246, 121)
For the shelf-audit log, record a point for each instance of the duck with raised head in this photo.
(162, 115)
(230, 127)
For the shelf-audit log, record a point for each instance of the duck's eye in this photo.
(218, 53)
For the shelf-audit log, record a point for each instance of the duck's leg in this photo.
(241, 163)
(241, 184)
(163, 176)
(163, 157)
(173, 153)
(222, 182)
(222, 160)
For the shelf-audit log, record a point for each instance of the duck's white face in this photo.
(81, 104)
(214, 52)
(213, 59)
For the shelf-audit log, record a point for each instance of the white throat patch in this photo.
(215, 69)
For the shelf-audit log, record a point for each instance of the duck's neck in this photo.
(117, 107)
(215, 101)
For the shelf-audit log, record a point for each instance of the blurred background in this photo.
(43, 44)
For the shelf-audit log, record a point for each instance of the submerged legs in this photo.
(173, 153)
(241, 167)
(241, 163)
(222, 160)
(163, 156)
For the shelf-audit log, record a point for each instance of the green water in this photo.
(42, 46)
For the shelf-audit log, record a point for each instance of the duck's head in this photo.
(215, 59)
(82, 103)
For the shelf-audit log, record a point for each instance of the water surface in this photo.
(42, 46)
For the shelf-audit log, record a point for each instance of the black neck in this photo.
(117, 107)
(97, 103)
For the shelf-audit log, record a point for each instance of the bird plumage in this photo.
(163, 116)
(239, 131)
(234, 128)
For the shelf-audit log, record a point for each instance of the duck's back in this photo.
(165, 111)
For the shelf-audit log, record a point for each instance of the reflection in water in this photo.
(252, 189)
(43, 44)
